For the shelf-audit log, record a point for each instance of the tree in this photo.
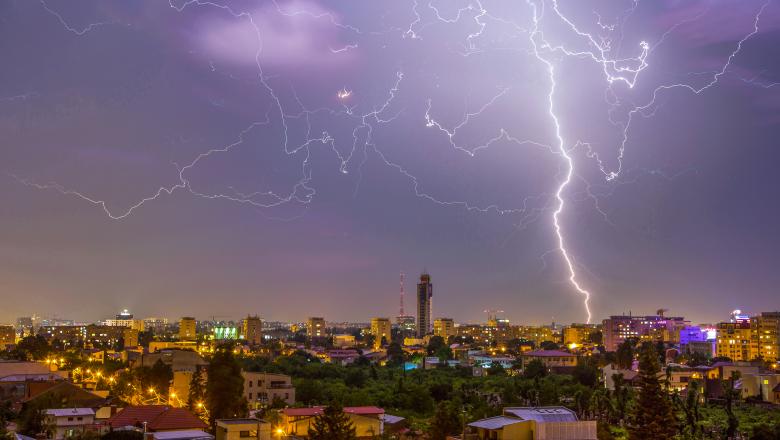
(596, 338)
(445, 421)
(625, 354)
(435, 344)
(395, 354)
(549, 345)
(586, 373)
(225, 386)
(534, 370)
(766, 431)
(160, 376)
(332, 424)
(731, 394)
(653, 417)
(197, 392)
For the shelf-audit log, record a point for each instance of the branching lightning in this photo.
(620, 73)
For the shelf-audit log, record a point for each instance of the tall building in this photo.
(735, 340)
(766, 334)
(424, 305)
(125, 319)
(579, 334)
(315, 327)
(187, 329)
(655, 328)
(444, 327)
(156, 325)
(252, 330)
(380, 328)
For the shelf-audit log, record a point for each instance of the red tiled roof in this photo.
(317, 410)
(547, 353)
(158, 418)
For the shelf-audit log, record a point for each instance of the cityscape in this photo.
(389, 220)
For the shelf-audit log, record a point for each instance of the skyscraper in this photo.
(252, 330)
(424, 305)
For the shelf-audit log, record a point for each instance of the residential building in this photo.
(252, 330)
(315, 327)
(540, 423)
(157, 418)
(130, 337)
(424, 305)
(577, 335)
(70, 422)
(735, 341)
(67, 335)
(178, 360)
(381, 330)
(444, 327)
(344, 341)
(125, 319)
(368, 420)
(653, 328)
(260, 389)
(103, 336)
(243, 429)
(550, 358)
(188, 329)
(7, 336)
(157, 326)
(406, 325)
(766, 333)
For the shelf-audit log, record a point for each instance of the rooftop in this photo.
(157, 417)
(543, 414)
(317, 410)
(548, 353)
(240, 421)
(497, 422)
(69, 412)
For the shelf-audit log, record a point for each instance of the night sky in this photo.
(290, 158)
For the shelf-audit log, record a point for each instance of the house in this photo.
(66, 392)
(70, 422)
(524, 423)
(260, 389)
(191, 434)
(243, 429)
(156, 418)
(368, 420)
(552, 359)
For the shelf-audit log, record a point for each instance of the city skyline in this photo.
(290, 157)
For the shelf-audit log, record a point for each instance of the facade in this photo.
(68, 335)
(381, 329)
(103, 336)
(444, 327)
(70, 422)
(243, 429)
(550, 358)
(406, 325)
(766, 333)
(252, 330)
(654, 328)
(315, 327)
(424, 306)
(577, 335)
(188, 329)
(261, 389)
(735, 341)
(7, 336)
(156, 325)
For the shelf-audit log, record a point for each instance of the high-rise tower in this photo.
(424, 305)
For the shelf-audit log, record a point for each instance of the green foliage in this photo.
(587, 372)
(123, 435)
(446, 420)
(653, 417)
(197, 392)
(625, 354)
(225, 386)
(534, 370)
(332, 424)
(395, 355)
(31, 347)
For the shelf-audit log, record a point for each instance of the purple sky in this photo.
(195, 158)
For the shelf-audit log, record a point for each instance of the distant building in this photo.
(68, 335)
(424, 305)
(157, 418)
(766, 331)
(444, 327)
(225, 333)
(735, 340)
(406, 325)
(125, 319)
(252, 330)
(579, 334)
(260, 389)
(344, 341)
(103, 336)
(130, 337)
(381, 330)
(315, 327)
(156, 325)
(654, 328)
(188, 329)
(550, 358)
(25, 323)
(7, 336)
